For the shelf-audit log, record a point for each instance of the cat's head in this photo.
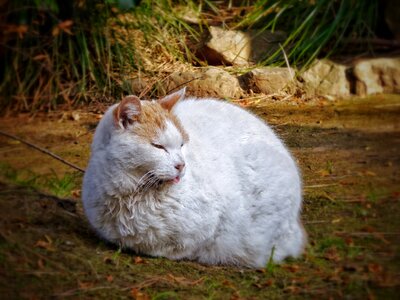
(146, 139)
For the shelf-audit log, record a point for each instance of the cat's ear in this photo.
(127, 112)
(170, 100)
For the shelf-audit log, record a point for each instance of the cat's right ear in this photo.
(170, 100)
(127, 112)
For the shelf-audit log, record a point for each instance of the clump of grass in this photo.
(52, 183)
(79, 51)
(56, 52)
(314, 28)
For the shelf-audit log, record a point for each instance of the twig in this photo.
(179, 85)
(287, 62)
(11, 136)
(316, 222)
(367, 233)
(319, 185)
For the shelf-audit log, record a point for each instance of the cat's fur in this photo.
(230, 195)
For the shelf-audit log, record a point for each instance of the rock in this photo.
(379, 75)
(268, 80)
(207, 82)
(232, 47)
(325, 78)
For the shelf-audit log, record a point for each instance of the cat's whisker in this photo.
(146, 182)
(150, 183)
(144, 178)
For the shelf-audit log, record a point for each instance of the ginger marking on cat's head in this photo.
(148, 119)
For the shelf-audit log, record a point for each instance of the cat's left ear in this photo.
(170, 100)
(127, 112)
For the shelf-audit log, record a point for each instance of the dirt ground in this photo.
(349, 155)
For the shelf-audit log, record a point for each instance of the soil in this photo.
(348, 152)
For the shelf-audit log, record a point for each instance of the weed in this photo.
(165, 295)
(116, 254)
(61, 186)
(270, 267)
(329, 167)
(329, 242)
(58, 185)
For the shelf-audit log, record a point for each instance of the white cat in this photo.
(196, 179)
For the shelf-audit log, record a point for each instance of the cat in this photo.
(193, 179)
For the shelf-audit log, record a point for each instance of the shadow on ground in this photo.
(349, 157)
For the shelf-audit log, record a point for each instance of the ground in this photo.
(348, 153)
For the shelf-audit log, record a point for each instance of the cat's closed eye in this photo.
(159, 146)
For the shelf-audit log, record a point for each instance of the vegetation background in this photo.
(75, 52)
(63, 62)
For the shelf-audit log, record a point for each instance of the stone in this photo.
(205, 82)
(240, 48)
(326, 78)
(268, 80)
(378, 75)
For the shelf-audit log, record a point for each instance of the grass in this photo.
(52, 183)
(314, 28)
(83, 51)
(48, 251)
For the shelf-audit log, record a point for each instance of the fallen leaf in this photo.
(292, 289)
(244, 103)
(85, 285)
(110, 278)
(269, 282)
(387, 280)
(349, 241)
(45, 245)
(292, 268)
(370, 173)
(375, 268)
(332, 254)
(55, 31)
(324, 173)
(235, 296)
(227, 283)
(66, 26)
(260, 270)
(368, 228)
(139, 295)
(41, 57)
(21, 30)
(138, 260)
(40, 264)
(76, 193)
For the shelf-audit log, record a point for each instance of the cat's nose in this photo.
(180, 167)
